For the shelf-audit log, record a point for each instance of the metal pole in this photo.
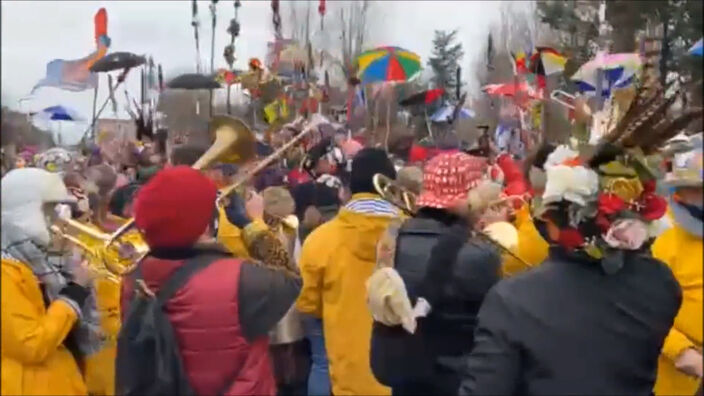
(212, 50)
(95, 104)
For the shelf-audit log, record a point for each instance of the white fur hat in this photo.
(24, 192)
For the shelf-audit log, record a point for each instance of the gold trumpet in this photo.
(391, 191)
(105, 263)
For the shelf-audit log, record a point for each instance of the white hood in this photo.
(24, 192)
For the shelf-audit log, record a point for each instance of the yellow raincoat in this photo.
(336, 260)
(34, 359)
(531, 246)
(682, 252)
(100, 367)
(230, 236)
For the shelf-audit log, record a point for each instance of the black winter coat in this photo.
(567, 327)
(439, 262)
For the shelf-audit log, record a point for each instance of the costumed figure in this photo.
(49, 321)
(600, 211)
(432, 274)
(680, 248)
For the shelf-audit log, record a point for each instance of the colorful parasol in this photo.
(511, 89)
(617, 71)
(387, 64)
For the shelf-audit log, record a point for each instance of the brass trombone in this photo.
(234, 143)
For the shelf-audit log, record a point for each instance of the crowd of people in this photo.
(558, 274)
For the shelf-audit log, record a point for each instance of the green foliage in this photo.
(445, 59)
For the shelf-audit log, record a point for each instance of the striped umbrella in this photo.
(387, 64)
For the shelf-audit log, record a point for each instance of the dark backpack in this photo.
(148, 360)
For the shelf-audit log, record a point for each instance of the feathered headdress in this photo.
(603, 197)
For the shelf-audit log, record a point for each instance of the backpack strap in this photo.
(181, 275)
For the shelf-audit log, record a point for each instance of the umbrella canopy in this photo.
(423, 98)
(59, 113)
(193, 81)
(445, 114)
(117, 61)
(510, 89)
(387, 64)
(617, 70)
(696, 48)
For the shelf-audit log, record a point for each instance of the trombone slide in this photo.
(559, 96)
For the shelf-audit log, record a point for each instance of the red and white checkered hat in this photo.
(448, 177)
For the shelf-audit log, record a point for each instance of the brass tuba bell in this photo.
(234, 143)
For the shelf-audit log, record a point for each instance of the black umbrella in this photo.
(193, 81)
(117, 61)
(424, 97)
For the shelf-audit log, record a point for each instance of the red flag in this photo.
(101, 24)
(321, 8)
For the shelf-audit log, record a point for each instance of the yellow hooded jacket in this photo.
(34, 359)
(336, 260)
(100, 367)
(531, 246)
(230, 236)
(682, 252)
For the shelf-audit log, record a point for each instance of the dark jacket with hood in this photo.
(437, 260)
(567, 327)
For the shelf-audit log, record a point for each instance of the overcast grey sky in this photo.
(36, 32)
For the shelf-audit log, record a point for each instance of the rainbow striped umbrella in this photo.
(387, 64)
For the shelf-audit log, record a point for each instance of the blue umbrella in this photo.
(59, 113)
(444, 114)
(696, 48)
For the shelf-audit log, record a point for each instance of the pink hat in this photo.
(448, 177)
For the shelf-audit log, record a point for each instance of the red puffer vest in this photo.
(205, 317)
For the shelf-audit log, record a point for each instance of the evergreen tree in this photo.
(445, 60)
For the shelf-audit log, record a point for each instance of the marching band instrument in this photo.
(393, 192)
(405, 200)
(563, 98)
(71, 230)
(226, 191)
(234, 143)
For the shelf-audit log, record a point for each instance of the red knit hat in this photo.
(448, 177)
(175, 207)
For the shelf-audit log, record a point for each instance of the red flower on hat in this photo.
(610, 203)
(652, 206)
(570, 238)
(648, 186)
(603, 222)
